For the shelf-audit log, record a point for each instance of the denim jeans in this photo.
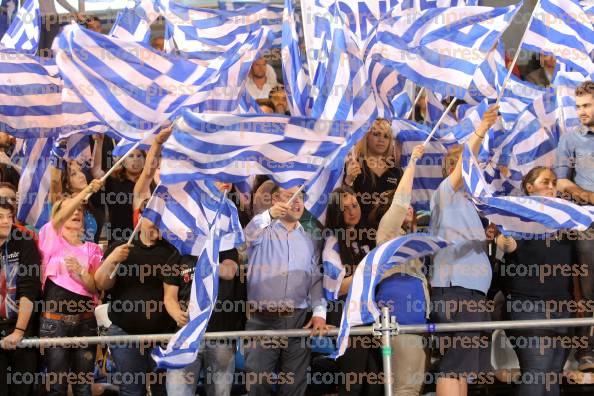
(217, 357)
(134, 368)
(540, 352)
(59, 362)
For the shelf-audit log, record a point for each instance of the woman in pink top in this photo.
(69, 293)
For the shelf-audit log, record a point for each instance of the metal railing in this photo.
(386, 327)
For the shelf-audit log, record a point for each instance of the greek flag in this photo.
(360, 307)
(295, 72)
(34, 183)
(392, 92)
(32, 100)
(23, 33)
(441, 48)
(532, 140)
(8, 10)
(560, 28)
(183, 347)
(206, 34)
(184, 211)
(566, 82)
(76, 147)
(137, 89)
(527, 215)
(429, 173)
(133, 23)
(334, 271)
(233, 147)
(275, 17)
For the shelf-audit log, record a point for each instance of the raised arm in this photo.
(392, 220)
(474, 142)
(142, 188)
(96, 169)
(70, 205)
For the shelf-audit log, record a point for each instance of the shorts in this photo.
(464, 353)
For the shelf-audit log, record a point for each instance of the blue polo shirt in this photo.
(464, 264)
(575, 157)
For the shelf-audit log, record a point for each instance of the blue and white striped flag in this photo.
(135, 88)
(23, 33)
(393, 92)
(565, 83)
(231, 148)
(206, 34)
(562, 28)
(429, 173)
(528, 215)
(441, 48)
(34, 183)
(32, 100)
(184, 211)
(295, 72)
(532, 140)
(183, 347)
(360, 307)
(274, 21)
(334, 271)
(8, 10)
(133, 23)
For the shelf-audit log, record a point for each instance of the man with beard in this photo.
(261, 80)
(575, 172)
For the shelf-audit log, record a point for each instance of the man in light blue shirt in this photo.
(575, 172)
(283, 282)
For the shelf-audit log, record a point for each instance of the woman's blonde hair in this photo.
(393, 151)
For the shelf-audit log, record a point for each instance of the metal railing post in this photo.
(386, 331)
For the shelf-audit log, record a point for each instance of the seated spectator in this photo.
(374, 171)
(461, 273)
(537, 295)
(19, 289)
(138, 283)
(575, 169)
(278, 97)
(261, 79)
(283, 283)
(69, 294)
(543, 76)
(216, 357)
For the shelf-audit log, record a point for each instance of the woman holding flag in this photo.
(69, 293)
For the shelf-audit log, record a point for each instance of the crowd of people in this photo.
(53, 279)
